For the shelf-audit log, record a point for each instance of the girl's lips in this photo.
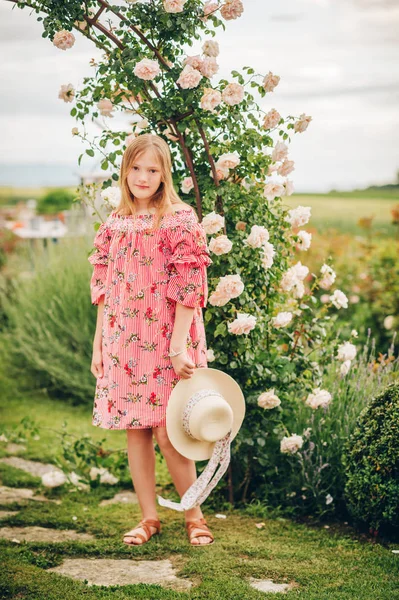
(142, 186)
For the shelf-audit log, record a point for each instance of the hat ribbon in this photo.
(214, 470)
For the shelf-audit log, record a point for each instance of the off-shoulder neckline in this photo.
(113, 214)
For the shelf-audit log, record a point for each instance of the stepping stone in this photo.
(8, 513)
(267, 585)
(13, 448)
(122, 497)
(10, 494)
(108, 571)
(44, 534)
(33, 467)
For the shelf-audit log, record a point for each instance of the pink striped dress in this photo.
(142, 274)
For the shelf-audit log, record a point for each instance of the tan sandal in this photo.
(204, 531)
(144, 524)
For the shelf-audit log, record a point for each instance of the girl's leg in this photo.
(182, 471)
(141, 458)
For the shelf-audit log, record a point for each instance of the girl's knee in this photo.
(162, 439)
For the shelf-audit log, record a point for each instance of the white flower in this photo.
(67, 92)
(53, 479)
(299, 216)
(346, 351)
(220, 245)
(258, 237)
(105, 107)
(269, 399)
(243, 324)
(354, 333)
(344, 369)
(306, 432)
(273, 190)
(210, 48)
(304, 241)
(291, 444)
(230, 285)
(282, 319)
(328, 278)
(212, 223)
(75, 131)
(318, 398)
(267, 255)
(329, 499)
(292, 279)
(187, 185)
(112, 195)
(302, 124)
(389, 321)
(288, 187)
(210, 355)
(339, 299)
(280, 152)
(105, 475)
(228, 161)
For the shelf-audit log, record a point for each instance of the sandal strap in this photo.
(202, 526)
(144, 524)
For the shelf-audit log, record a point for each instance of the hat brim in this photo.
(202, 378)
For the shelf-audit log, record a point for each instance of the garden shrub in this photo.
(371, 461)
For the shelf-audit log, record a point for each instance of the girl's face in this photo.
(144, 176)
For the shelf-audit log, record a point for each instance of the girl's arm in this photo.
(97, 367)
(182, 364)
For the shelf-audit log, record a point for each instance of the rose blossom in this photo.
(354, 299)
(230, 285)
(194, 61)
(344, 369)
(258, 236)
(346, 351)
(298, 216)
(64, 40)
(231, 9)
(221, 172)
(146, 69)
(304, 241)
(174, 6)
(105, 107)
(210, 48)
(187, 185)
(286, 167)
(272, 119)
(233, 93)
(273, 190)
(220, 245)
(209, 67)
(268, 255)
(217, 298)
(75, 131)
(243, 324)
(389, 321)
(210, 355)
(328, 277)
(210, 99)
(210, 7)
(241, 226)
(268, 399)
(229, 161)
(302, 124)
(112, 195)
(212, 223)
(66, 93)
(282, 319)
(318, 398)
(189, 78)
(280, 152)
(270, 82)
(291, 444)
(324, 298)
(288, 187)
(339, 299)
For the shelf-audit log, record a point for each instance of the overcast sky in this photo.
(338, 61)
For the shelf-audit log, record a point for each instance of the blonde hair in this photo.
(165, 197)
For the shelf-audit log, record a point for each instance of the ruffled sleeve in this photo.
(99, 259)
(187, 263)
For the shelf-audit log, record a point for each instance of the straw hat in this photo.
(203, 416)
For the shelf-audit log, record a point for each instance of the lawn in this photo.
(331, 563)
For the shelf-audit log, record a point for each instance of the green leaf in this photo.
(90, 152)
(104, 165)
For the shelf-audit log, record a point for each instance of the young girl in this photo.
(150, 284)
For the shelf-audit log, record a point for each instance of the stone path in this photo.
(44, 534)
(33, 467)
(106, 571)
(267, 585)
(123, 497)
(8, 513)
(10, 494)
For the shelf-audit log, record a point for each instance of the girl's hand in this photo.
(97, 367)
(183, 365)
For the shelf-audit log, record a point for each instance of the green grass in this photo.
(325, 564)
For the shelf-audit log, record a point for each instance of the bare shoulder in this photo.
(177, 207)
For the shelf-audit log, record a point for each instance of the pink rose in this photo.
(218, 299)
(273, 190)
(66, 93)
(210, 48)
(212, 223)
(174, 6)
(232, 9)
(187, 185)
(272, 119)
(270, 82)
(243, 324)
(209, 67)
(64, 39)
(220, 245)
(233, 93)
(280, 152)
(105, 107)
(230, 285)
(210, 7)
(286, 168)
(221, 172)
(189, 78)
(146, 69)
(302, 124)
(194, 61)
(228, 161)
(211, 99)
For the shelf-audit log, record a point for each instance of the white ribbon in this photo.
(214, 470)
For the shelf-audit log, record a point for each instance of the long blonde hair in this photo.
(166, 194)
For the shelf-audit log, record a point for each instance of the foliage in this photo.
(372, 463)
(54, 201)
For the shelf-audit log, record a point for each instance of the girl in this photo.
(150, 283)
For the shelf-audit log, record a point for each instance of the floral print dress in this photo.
(142, 275)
